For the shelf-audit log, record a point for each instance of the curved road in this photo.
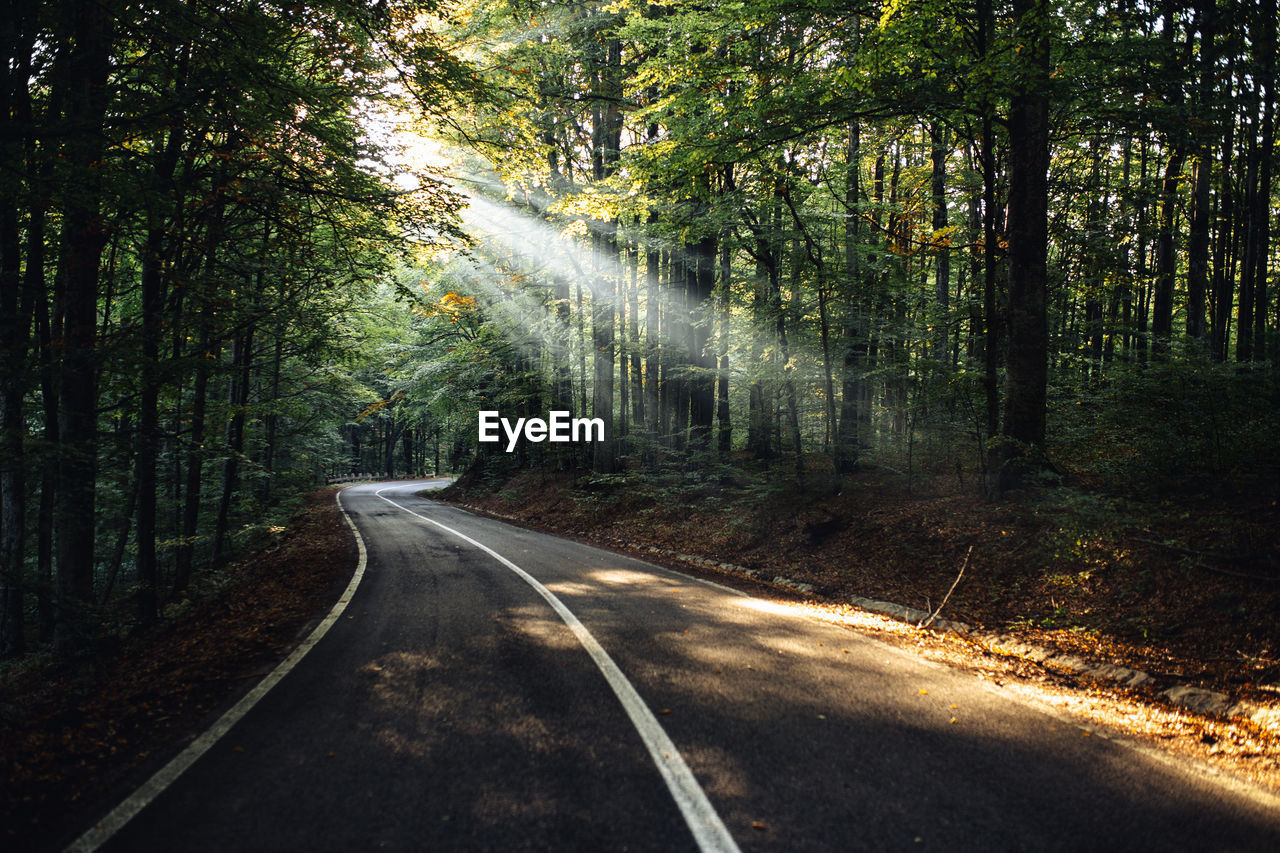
(493, 688)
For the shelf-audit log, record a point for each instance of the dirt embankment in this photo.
(1188, 591)
(76, 736)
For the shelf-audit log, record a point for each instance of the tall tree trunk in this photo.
(1143, 267)
(847, 448)
(633, 347)
(15, 332)
(195, 458)
(604, 459)
(1249, 262)
(1026, 374)
(788, 382)
(1198, 238)
(272, 420)
(759, 421)
(941, 241)
(1166, 259)
(153, 300)
(1095, 274)
(606, 144)
(677, 364)
(48, 328)
(724, 425)
(626, 280)
(652, 315)
(90, 27)
(1267, 50)
(702, 382)
(237, 398)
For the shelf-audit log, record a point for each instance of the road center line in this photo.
(705, 824)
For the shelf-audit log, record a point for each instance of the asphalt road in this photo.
(566, 698)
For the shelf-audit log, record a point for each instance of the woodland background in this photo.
(977, 247)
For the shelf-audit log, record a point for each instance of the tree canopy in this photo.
(1027, 239)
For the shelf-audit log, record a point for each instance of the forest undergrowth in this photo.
(1184, 585)
(77, 735)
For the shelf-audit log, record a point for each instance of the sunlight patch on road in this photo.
(622, 576)
(844, 614)
(709, 831)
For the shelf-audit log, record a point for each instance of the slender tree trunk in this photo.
(759, 422)
(652, 315)
(272, 420)
(702, 383)
(606, 142)
(1166, 259)
(604, 459)
(1267, 50)
(15, 332)
(1249, 263)
(153, 300)
(633, 346)
(1094, 266)
(237, 397)
(724, 425)
(195, 459)
(1143, 268)
(1026, 374)
(48, 328)
(90, 27)
(788, 383)
(148, 436)
(852, 344)
(626, 280)
(679, 338)
(941, 242)
(1198, 238)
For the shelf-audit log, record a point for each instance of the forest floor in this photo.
(1185, 588)
(1188, 593)
(78, 735)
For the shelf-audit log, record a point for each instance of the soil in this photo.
(1185, 592)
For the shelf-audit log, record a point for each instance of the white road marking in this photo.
(708, 829)
(115, 820)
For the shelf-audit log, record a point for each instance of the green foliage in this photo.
(1187, 425)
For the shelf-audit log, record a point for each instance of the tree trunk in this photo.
(941, 242)
(237, 398)
(847, 448)
(1262, 214)
(15, 332)
(90, 26)
(652, 315)
(1026, 374)
(604, 459)
(1166, 259)
(702, 383)
(724, 425)
(1198, 237)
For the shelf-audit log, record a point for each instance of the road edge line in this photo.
(700, 815)
(115, 820)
